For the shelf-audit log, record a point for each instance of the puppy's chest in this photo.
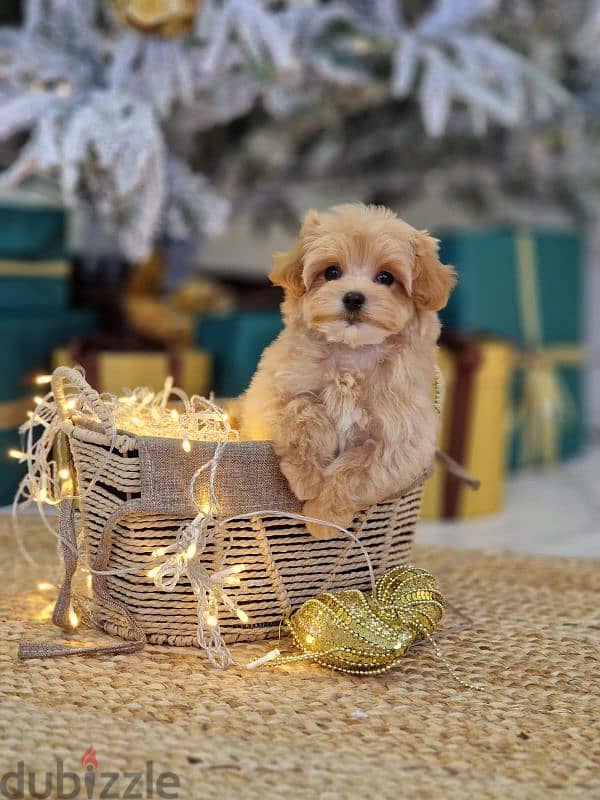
(346, 397)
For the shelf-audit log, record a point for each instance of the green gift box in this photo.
(28, 341)
(34, 270)
(236, 341)
(527, 286)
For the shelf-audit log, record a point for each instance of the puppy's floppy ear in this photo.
(432, 281)
(287, 265)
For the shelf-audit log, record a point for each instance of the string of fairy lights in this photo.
(168, 413)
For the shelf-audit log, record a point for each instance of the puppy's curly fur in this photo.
(345, 392)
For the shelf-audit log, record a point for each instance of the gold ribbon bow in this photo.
(366, 634)
(545, 407)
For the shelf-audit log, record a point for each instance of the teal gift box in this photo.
(34, 270)
(28, 341)
(236, 341)
(527, 286)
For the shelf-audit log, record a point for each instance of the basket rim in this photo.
(84, 429)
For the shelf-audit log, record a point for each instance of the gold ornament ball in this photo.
(157, 17)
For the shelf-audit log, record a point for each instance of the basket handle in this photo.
(90, 396)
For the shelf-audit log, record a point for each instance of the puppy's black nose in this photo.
(353, 300)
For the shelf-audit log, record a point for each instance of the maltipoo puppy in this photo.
(345, 393)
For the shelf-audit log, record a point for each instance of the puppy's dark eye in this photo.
(384, 277)
(332, 273)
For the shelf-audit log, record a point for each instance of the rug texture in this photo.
(302, 731)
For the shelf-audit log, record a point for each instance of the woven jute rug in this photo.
(305, 732)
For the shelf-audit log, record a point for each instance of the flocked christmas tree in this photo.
(119, 98)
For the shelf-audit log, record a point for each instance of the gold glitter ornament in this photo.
(366, 634)
(159, 17)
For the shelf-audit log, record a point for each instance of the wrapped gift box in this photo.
(475, 422)
(12, 414)
(28, 341)
(34, 270)
(236, 341)
(113, 364)
(527, 286)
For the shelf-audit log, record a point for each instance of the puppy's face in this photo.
(359, 274)
(356, 286)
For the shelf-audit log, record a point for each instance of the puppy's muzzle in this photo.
(353, 301)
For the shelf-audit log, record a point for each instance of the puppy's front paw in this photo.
(317, 510)
(305, 480)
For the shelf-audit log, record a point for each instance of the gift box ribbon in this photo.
(34, 269)
(546, 406)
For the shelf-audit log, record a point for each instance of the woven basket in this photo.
(141, 498)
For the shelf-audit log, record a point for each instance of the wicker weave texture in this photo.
(284, 565)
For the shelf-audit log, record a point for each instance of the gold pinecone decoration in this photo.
(157, 17)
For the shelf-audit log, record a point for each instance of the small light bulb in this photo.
(46, 612)
(16, 453)
(186, 445)
(136, 420)
(212, 621)
(37, 400)
(71, 403)
(237, 568)
(42, 379)
(64, 474)
(152, 572)
(44, 586)
(232, 580)
(42, 495)
(73, 618)
(88, 581)
(191, 551)
(258, 662)
(310, 638)
(158, 552)
(242, 615)
(174, 415)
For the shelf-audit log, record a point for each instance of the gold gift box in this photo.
(476, 419)
(113, 370)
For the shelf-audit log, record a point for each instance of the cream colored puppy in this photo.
(345, 391)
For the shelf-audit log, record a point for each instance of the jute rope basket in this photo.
(139, 498)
